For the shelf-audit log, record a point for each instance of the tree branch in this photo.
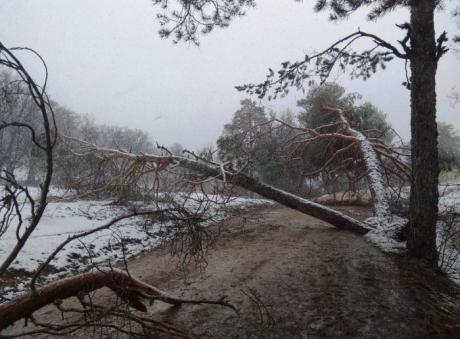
(321, 64)
(127, 287)
(206, 169)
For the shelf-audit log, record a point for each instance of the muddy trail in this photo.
(312, 281)
(293, 276)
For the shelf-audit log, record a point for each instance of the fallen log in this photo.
(126, 286)
(300, 204)
(208, 169)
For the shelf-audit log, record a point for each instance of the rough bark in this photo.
(425, 169)
(25, 305)
(319, 211)
(124, 285)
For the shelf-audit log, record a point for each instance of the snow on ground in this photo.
(66, 218)
(449, 202)
(63, 219)
(386, 238)
(386, 227)
(449, 253)
(449, 197)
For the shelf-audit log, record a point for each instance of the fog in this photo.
(106, 59)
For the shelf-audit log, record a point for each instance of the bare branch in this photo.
(123, 284)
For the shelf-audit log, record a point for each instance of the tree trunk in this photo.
(319, 211)
(425, 169)
(123, 284)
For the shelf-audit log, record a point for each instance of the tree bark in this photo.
(425, 169)
(123, 284)
(319, 211)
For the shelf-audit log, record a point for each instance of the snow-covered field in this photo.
(67, 218)
(449, 196)
(449, 202)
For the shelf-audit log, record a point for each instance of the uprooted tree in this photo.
(419, 49)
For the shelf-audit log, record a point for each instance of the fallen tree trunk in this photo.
(309, 207)
(124, 285)
(160, 163)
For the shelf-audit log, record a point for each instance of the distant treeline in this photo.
(20, 156)
(249, 142)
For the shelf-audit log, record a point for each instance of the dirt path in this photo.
(316, 281)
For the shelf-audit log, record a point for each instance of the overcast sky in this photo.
(106, 59)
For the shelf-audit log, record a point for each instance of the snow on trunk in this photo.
(386, 226)
(381, 204)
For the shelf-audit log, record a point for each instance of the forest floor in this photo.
(311, 281)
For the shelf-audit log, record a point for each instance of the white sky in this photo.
(106, 59)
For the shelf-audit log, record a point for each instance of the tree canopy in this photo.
(251, 145)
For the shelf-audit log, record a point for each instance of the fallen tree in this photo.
(146, 163)
(300, 204)
(126, 287)
(377, 160)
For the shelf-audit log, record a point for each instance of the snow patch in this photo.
(386, 238)
(128, 237)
